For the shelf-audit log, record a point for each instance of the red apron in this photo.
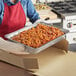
(14, 18)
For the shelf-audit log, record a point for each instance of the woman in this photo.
(13, 15)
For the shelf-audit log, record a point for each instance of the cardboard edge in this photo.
(19, 61)
(63, 45)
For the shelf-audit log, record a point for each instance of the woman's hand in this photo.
(38, 21)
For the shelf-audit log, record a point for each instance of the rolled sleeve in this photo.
(31, 12)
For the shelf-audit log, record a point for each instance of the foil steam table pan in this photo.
(41, 48)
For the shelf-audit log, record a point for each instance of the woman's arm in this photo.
(31, 12)
(1, 10)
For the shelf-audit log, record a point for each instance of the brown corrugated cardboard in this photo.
(64, 65)
(35, 61)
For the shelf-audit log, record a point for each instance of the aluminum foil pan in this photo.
(41, 48)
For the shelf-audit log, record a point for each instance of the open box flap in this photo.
(64, 65)
(63, 44)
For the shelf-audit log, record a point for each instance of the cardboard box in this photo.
(62, 65)
(35, 61)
